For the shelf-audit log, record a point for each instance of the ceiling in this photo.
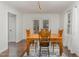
(33, 6)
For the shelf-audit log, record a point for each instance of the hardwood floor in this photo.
(18, 50)
(5, 53)
(22, 46)
(68, 53)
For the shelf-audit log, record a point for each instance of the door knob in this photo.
(10, 30)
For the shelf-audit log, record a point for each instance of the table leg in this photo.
(53, 47)
(28, 49)
(27, 46)
(61, 48)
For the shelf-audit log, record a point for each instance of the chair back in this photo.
(44, 37)
(28, 32)
(60, 32)
(44, 33)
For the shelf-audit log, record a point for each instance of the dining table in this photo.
(54, 38)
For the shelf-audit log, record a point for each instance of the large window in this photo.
(45, 24)
(36, 26)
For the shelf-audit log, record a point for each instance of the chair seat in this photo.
(44, 44)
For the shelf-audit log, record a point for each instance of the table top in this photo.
(37, 36)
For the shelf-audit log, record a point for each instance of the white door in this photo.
(12, 27)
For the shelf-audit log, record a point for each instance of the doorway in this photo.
(12, 46)
(12, 27)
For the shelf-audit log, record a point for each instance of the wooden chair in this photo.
(44, 35)
(60, 34)
(28, 32)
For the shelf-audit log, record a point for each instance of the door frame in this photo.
(8, 25)
(69, 12)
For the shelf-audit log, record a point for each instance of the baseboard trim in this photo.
(4, 53)
(20, 41)
(77, 54)
(73, 52)
(3, 50)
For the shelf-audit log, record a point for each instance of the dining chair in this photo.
(28, 32)
(44, 35)
(60, 32)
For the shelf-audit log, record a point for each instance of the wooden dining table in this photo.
(54, 38)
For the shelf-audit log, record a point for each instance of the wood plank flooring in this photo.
(18, 50)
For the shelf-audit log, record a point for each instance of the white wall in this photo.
(19, 23)
(54, 21)
(72, 41)
(75, 40)
(4, 9)
(68, 38)
(62, 20)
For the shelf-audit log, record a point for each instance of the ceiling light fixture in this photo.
(39, 5)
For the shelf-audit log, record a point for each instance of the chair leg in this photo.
(27, 52)
(40, 52)
(48, 52)
(53, 47)
(35, 47)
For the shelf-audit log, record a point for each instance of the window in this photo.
(36, 26)
(69, 23)
(45, 24)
